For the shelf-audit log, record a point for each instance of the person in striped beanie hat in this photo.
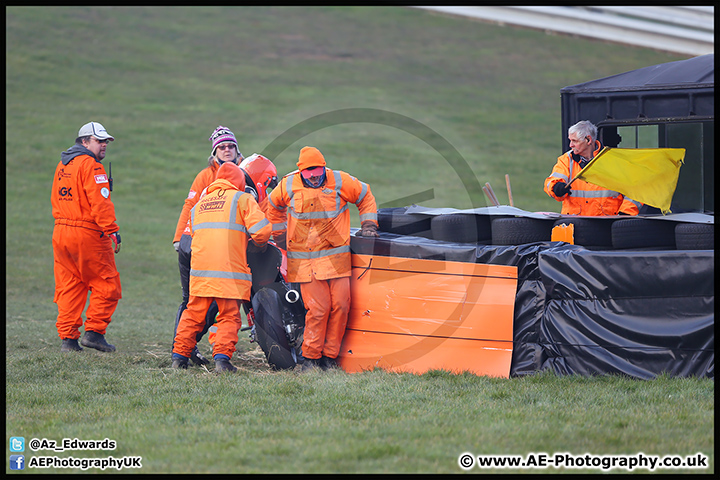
(223, 139)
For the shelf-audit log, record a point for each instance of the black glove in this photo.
(560, 189)
(280, 240)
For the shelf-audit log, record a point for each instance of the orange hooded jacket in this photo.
(255, 166)
(222, 223)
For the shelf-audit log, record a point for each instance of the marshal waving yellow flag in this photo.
(647, 175)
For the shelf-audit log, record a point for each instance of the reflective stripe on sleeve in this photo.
(368, 216)
(258, 226)
(593, 193)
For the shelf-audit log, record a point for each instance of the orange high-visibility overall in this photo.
(317, 223)
(222, 223)
(84, 259)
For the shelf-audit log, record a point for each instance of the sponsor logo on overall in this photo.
(65, 193)
(213, 205)
(62, 174)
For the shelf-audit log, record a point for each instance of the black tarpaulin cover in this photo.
(633, 313)
(584, 312)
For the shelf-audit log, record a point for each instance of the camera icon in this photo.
(17, 444)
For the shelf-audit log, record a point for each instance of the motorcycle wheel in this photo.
(269, 330)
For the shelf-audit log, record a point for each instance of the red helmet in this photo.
(263, 173)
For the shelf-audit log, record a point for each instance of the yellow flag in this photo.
(647, 175)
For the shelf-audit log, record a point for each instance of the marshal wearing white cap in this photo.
(96, 130)
(85, 240)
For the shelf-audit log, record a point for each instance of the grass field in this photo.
(384, 93)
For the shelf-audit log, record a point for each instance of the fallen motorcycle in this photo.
(278, 314)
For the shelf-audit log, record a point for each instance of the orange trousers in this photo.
(192, 322)
(84, 262)
(328, 305)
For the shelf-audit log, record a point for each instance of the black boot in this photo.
(70, 345)
(310, 364)
(328, 363)
(197, 358)
(223, 365)
(179, 361)
(97, 341)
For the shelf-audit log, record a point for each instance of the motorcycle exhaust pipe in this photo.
(292, 296)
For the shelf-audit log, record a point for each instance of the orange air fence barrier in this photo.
(411, 315)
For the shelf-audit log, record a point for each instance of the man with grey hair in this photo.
(584, 198)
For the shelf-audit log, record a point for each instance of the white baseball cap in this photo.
(96, 130)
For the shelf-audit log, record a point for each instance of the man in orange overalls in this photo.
(85, 240)
(222, 223)
(309, 213)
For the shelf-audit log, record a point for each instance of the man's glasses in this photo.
(104, 142)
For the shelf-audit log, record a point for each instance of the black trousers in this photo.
(184, 255)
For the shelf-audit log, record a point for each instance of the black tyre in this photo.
(484, 228)
(270, 331)
(590, 232)
(520, 230)
(396, 220)
(643, 233)
(461, 228)
(695, 236)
